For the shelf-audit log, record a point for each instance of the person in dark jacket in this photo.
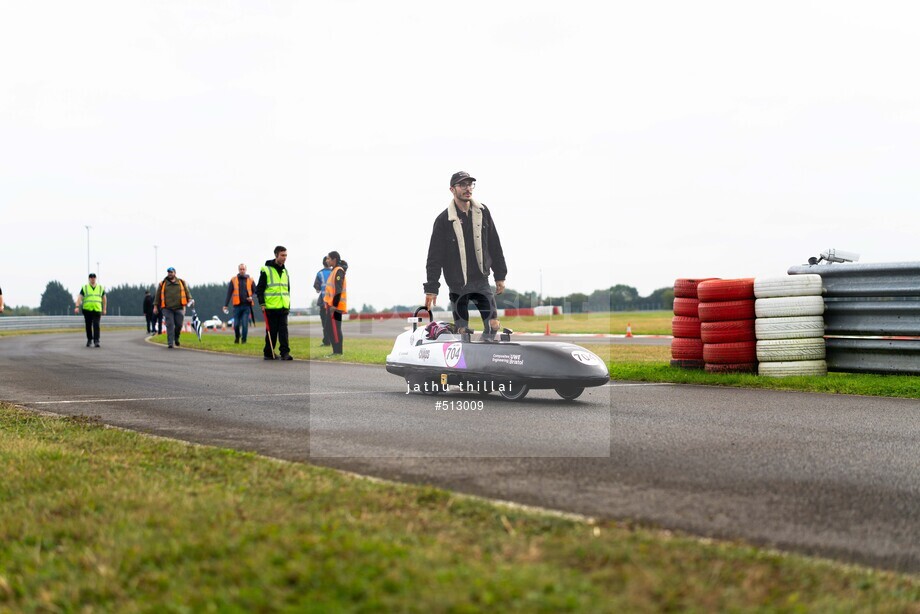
(148, 313)
(319, 284)
(274, 293)
(336, 301)
(466, 247)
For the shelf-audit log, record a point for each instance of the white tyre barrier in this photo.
(785, 350)
(789, 306)
(795, 327)
(788, 369)
(790, 285)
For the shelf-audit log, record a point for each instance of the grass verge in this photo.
(643, 363)
(103, 519)
(16, 333)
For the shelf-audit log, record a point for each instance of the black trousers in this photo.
(333, 330)
(92, 319)
(151, 323)
(485, 303)
(323, 315)
(277, 334)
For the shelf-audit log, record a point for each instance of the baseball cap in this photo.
(92, 274)
(460, 176)
(170, 269)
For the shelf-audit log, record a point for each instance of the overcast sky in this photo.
(614, 142)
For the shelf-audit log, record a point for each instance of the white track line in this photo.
(231, 396)
(641, 384)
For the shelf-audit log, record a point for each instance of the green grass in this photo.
(641, 322)
(14, 333)
(98, 519)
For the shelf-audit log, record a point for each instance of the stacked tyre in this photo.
(726, 311)
(790, 325)
(686, 345)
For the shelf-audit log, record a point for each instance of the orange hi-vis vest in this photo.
(336, 274)
(162, 292)
(236, 288)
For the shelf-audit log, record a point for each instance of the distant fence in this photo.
(62, 322)
(872, 316)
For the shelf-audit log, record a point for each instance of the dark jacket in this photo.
(148, 304)
(444, 252)
(263, 281)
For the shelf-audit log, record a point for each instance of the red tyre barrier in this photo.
(686, 288)
(727, 331)
(685, 326)
(720, 311)
(728, 353)
(686, 349)
(726, 289)
(688, 364)
(743, 367)
(688, 307)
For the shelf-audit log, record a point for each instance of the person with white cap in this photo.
(172, 297)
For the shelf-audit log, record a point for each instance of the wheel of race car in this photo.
(685, 326)
(797, 367)
(741, 367)
(686, 288)
(686, 349)
(570, 393)
(787, 306)
(795, 327)
(726, 290)
(727, 331)
(791, 285)
(688, 364)
(516, 392)
(719, 311)
(686, 307)
(780, 350)
(729, 353)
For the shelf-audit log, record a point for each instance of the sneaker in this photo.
(268, 357)
(169, 347)
(89, 343)
(97, 345)
(237, 340)
(244, 341)
(177, 343)
(287, 357)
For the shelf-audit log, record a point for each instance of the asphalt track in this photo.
(837, 476)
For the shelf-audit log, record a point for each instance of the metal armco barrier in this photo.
(894, 356)
(864, 302)
(60, 322)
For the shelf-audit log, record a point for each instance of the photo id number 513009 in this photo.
(459, 405)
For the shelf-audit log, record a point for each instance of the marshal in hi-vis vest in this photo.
(92, 297)
(277, 289)
(236, 288)
(337, 273)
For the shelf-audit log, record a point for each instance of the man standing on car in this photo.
(92, 298)
(336, 301)
(172, 298)
(240, 291)
(274, 292)
(465, 245)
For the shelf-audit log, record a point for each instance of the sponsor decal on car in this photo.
(585, 358)
(508, 359)
(453, 355)
(424, 354)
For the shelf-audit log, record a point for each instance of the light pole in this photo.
(98, 274)
(87, 250)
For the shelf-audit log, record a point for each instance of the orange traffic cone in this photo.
(628, 330)
(547, 329)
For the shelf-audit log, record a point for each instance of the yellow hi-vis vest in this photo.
(92, 297)
(330, 289)
(277, 289)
